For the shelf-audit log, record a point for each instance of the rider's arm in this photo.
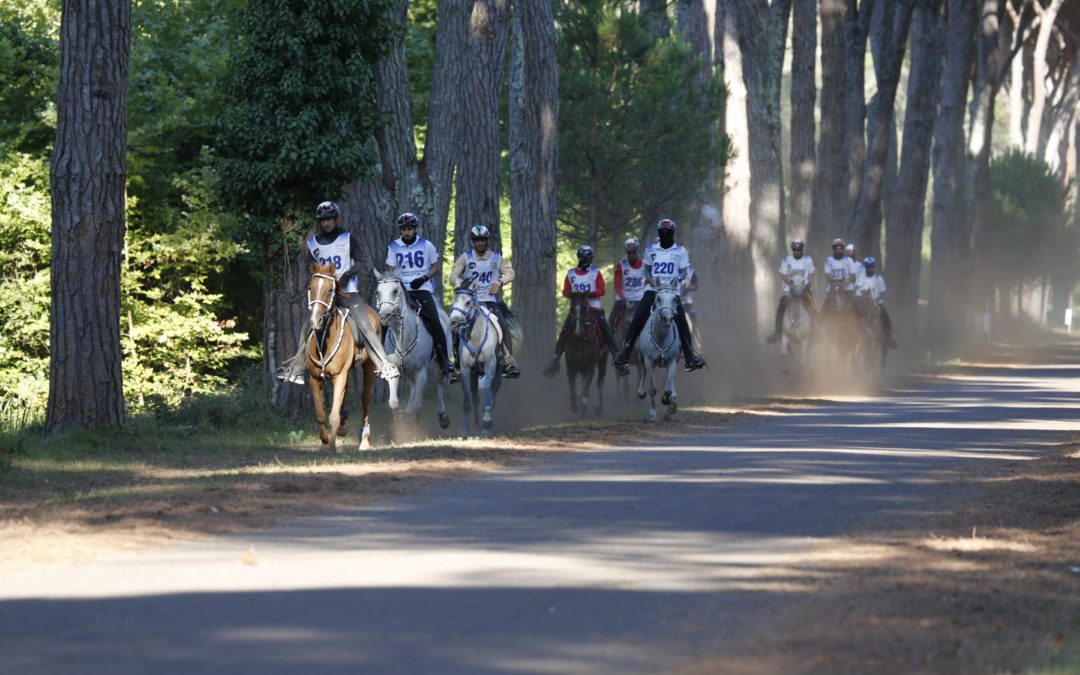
(618, 282)
(391, 261)
(599, 291)
(356, 252)
(566, 288)
(457, 271)
(506, 275)
(433, 271)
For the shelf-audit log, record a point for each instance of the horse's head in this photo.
(320, 296)
(389, 295)
(579, 312)
(664, 304)
(797, 284)
(465, 306)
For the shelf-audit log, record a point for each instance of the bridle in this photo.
(397, 307)
(656, 310)
(324, 359)
(469, 320)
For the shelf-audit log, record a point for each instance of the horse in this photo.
(797, 327)
(479, 333)
(620, 326)
(331, 354)
(586, 355)
(658, 345)
(871, 347)
(839, 322)
(408, 345)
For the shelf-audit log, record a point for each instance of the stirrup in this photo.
(622, 359)
(511, 372)
(694, 362)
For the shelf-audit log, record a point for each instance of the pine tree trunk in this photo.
(803, 95)
(88, 189)
(856, 31)
(950, 264)
(762, 31)
(1040, 70)
(830, 181)
(905, 222)
(480, 162)
(285, 276)
(534, 116)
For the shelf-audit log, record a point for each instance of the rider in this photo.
(629, 280)
(857, 269)
(333, 245)
(418, 264)
(587, 279)
(796, 263)
(664, 261)
(491, 273)
(874, 285)
(837, 269)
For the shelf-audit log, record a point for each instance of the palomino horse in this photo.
(871, 348)
(478, 334)
(797, 327)
(586, 355)
(658, 345)
(332, 352)
(408, 345)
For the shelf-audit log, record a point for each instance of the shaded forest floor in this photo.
(989, 583)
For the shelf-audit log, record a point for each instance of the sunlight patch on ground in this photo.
(976, 544)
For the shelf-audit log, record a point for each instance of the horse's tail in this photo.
(517, 335)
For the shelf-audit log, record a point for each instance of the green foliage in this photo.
(638, 126)
(29, 66)
(420, 55)
(1028, 234)
(302, 111)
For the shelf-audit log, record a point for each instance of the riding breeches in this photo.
(429, 313)
(644, 308)
(605, 330)
(499, 309)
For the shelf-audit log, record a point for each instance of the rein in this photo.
(470, 320)
(400, 310)
(324, 359)
(654, 312)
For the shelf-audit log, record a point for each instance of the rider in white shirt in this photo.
(417, 263)
(796, 263)
(332, 245)
(665, 261)
(856, 267)
(873, 284)
(491, 273)
(629, 281)
(584, 280)
(836, 269)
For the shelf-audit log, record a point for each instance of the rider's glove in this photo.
(416, 283)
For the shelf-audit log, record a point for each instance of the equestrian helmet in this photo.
(479, 232)
(666, 224)
(327, 210)
(869, 262)
(407, 219)
(797, 244)
(632, 244)
(838, 242)
(850, 249)
(584, 254)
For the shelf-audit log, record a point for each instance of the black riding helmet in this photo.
(584, 256)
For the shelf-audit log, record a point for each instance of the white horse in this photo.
(479, 335)
(797, 327)
(658, 345)
(408, 345)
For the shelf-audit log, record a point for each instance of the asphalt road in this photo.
(616, 560)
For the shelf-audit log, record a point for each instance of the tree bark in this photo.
(480, 152)
(905, 223)
(856, 32)
(1038, 77)
(762, 33)
(534, 116)
(950, 264)
(829, 184)
(87, 179)
(893, 29)
(803, 100)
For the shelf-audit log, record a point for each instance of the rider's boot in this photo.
(552, 367)
(694, 361)
(509, 369)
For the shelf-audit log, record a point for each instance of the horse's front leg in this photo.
(601, 372)
(639, 363)
(571, 378)
(341, 387)
(365, 403)
(416, 394)
(392, 386)
(440, 390)
(650, 374)
(486, 388)
(320, 412)
(670, 397)
(466, 402)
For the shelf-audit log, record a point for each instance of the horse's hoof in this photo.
(364, 445)
(343, 430)
(487, 424)
(666, 398)
(673, 408)
(444, 420)
(641, 394)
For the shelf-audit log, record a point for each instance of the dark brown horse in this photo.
(586, 355)
(332, 352)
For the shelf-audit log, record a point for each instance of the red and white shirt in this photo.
(630, 279)
(590, 282)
